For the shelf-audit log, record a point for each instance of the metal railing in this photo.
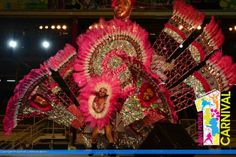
(32, 135)
(25, 136)
(45, 129)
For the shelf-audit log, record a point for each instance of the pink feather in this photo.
(89, 91)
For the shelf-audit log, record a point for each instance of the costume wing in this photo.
(38, 94)
(191, 66)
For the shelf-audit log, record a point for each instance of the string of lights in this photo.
(59, 27)
(232, 28)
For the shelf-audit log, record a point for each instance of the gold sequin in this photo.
(131, 111)
(196, 85)
(174, 35)
(195, 53)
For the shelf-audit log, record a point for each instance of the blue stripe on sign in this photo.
(119, 151)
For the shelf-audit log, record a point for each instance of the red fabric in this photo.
(75, 111)
(176, 30)
(204, 82)
(200, 50)
(76, 124)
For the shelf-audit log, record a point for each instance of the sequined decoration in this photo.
(174, 35)
(212, 76)
(133, 136)
(163, 108)
(56, 90)
(195, 53)
(177, 21)
(29, 111)
(196, 85)
(115, 62)
(86, 138)
(60, 115)
(115, 42)
(159, 65)
(131, 111)
(124, 141)
(124, 43)
(125, 78)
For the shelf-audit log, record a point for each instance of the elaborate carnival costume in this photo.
(150, 83)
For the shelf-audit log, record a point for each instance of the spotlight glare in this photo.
(181, 46)
(181, 27)
(230, 28)
(40, 27)
(12, 44)
(235, 28)
(53, 27)
(46, 27)
(58, 27)
(45, 44)
(64, 27)
(199, 27)
(11, 80)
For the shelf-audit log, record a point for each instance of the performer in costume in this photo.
(98, 101)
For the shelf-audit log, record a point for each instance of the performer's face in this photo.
(123, 9)
(102, 92)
